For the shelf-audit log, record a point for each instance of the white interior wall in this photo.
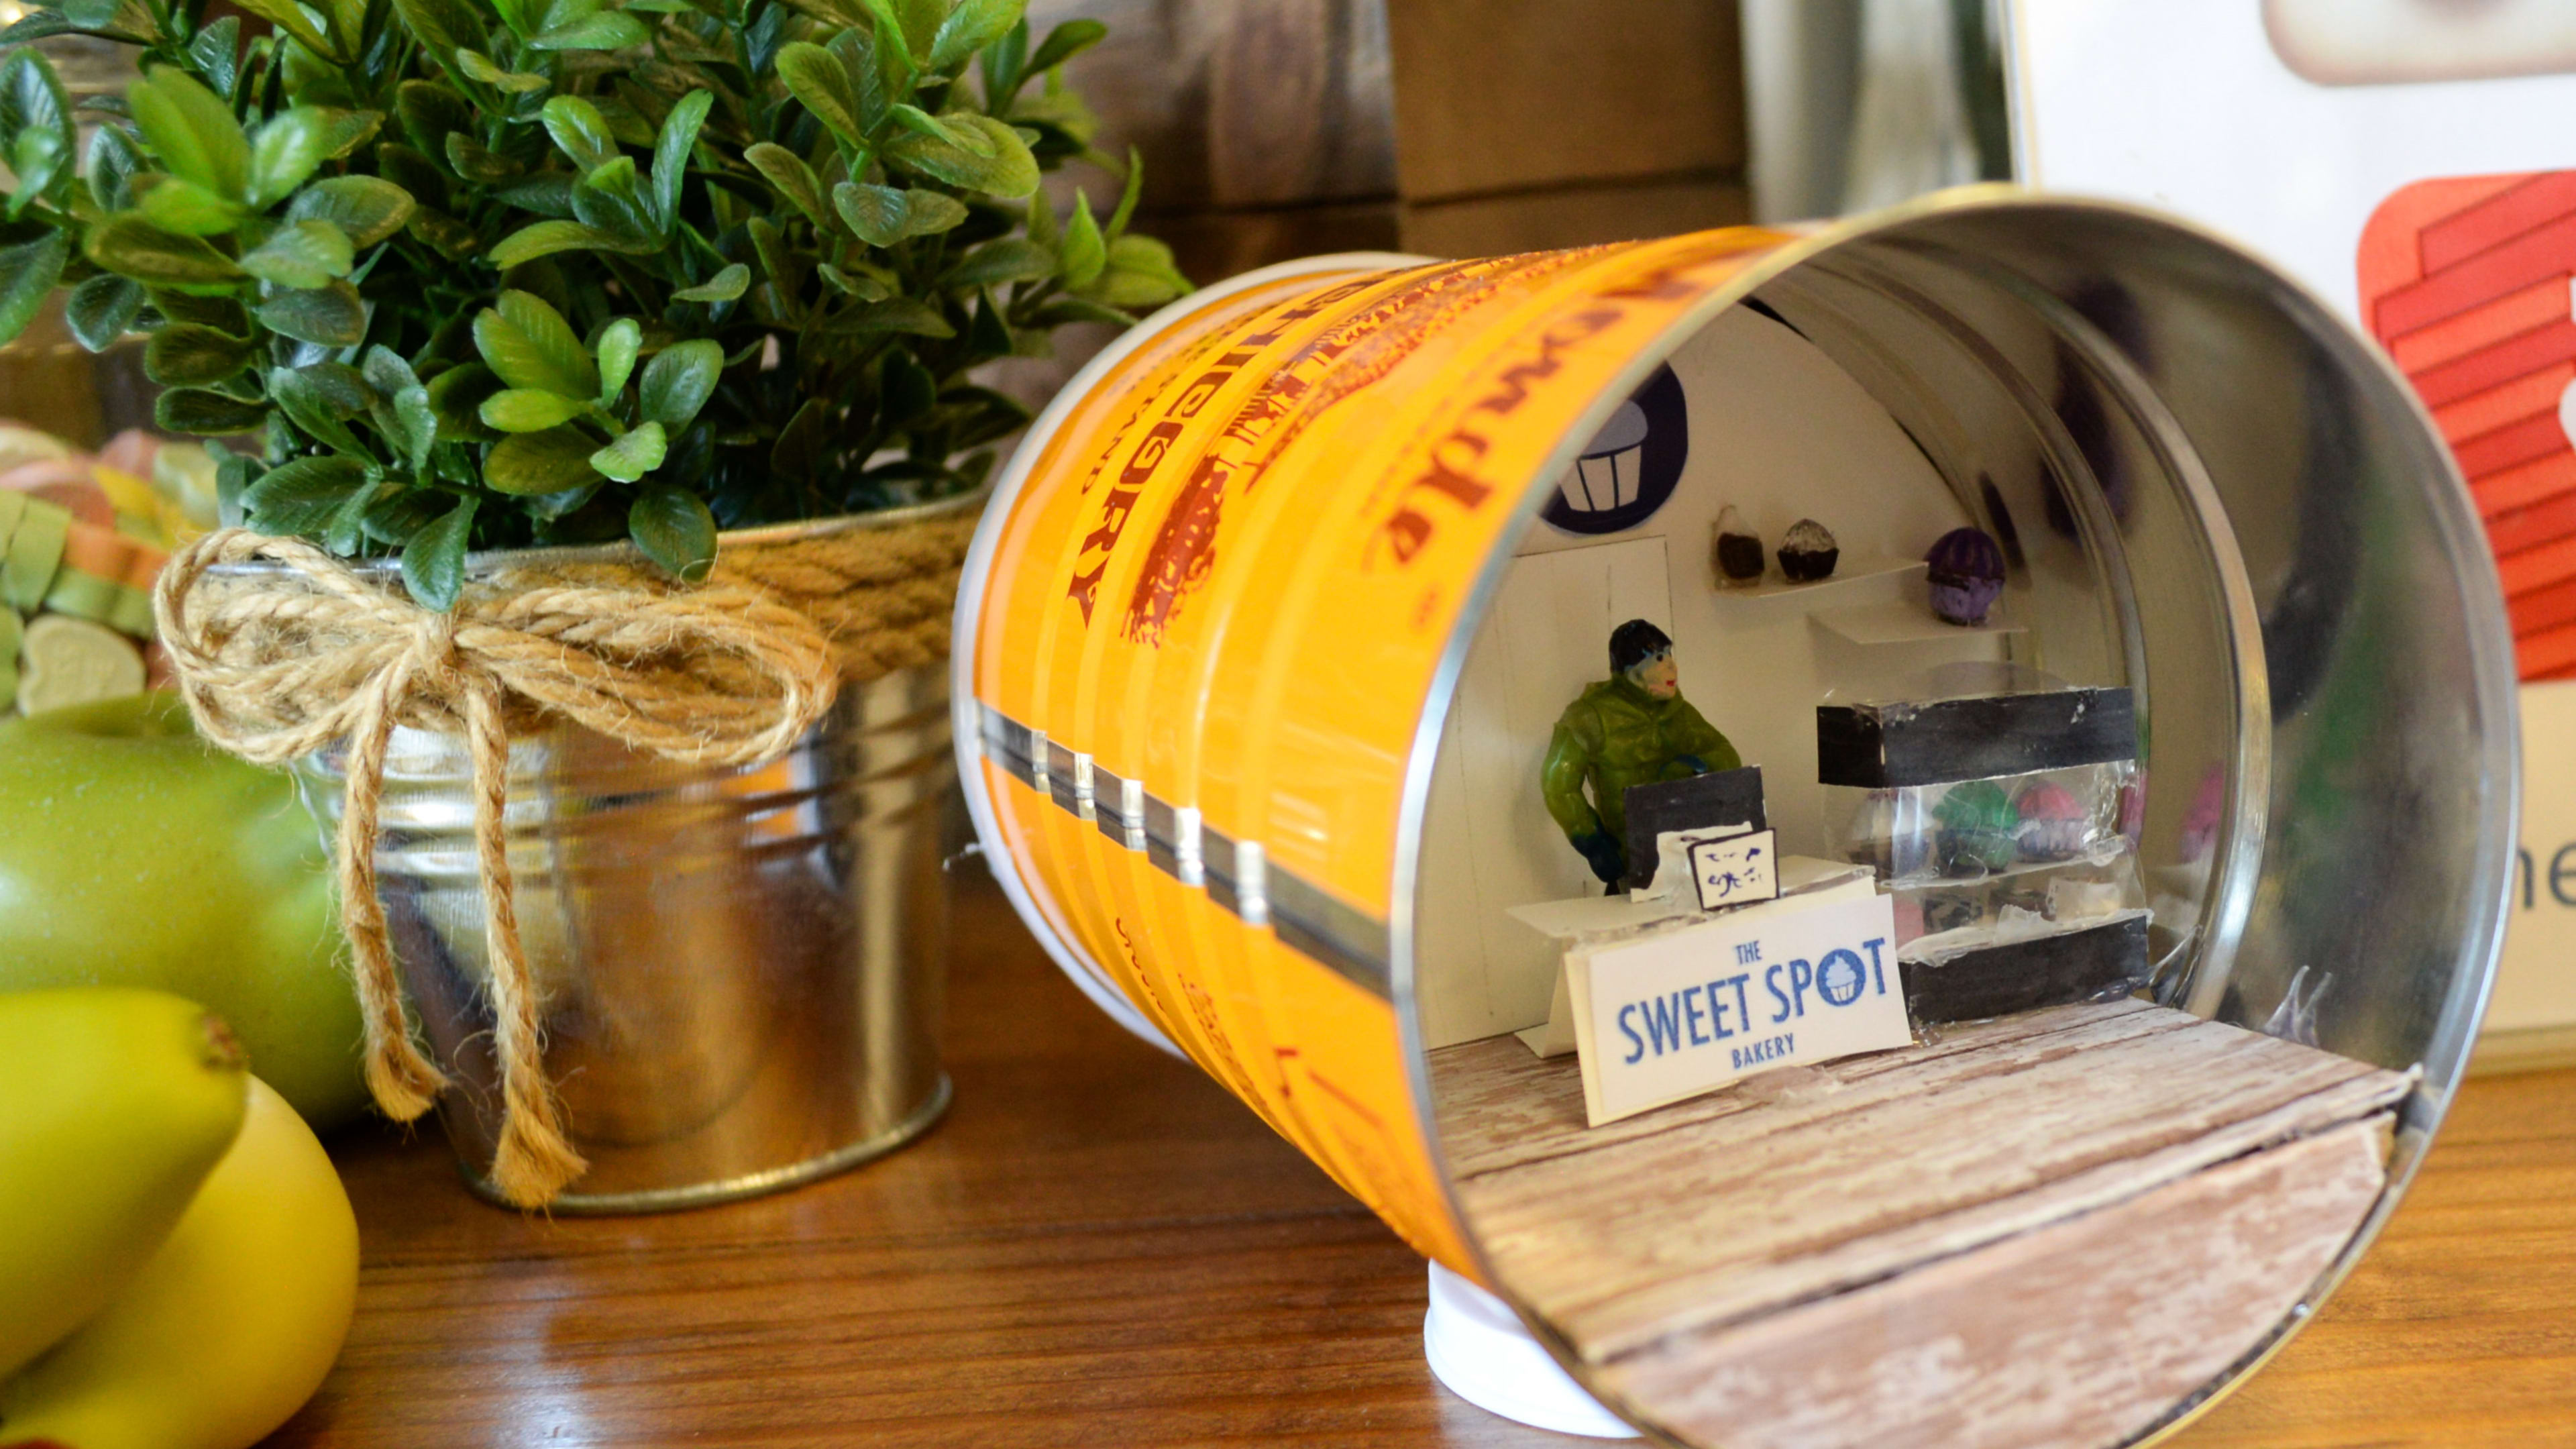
(1780, 432)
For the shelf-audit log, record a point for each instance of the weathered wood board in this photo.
(1922, 1216)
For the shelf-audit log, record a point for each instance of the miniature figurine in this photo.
(1633, 728)
(1967, 575)
(1738, 551)
(1807, 552)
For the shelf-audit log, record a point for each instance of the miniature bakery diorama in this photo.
(1888, 836)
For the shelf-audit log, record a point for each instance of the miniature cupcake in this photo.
(1979, 829)
(1807, 552)
(1738, 551)
(2054, 826)
(1967, 573)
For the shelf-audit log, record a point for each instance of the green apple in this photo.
(132, 853)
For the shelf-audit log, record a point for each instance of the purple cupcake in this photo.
(1967, 574)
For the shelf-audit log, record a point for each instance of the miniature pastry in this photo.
(1980, 829)
(1807, 552)
(1967, 574)
(1738, 550)
(2054, 825)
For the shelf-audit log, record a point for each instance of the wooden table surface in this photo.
(1098, 1246)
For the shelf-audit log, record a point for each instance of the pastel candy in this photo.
(67, 661)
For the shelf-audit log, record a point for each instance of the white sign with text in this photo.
(1672, 1014)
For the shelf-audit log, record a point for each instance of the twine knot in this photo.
(300, 653)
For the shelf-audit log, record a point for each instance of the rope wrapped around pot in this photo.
(291, 659)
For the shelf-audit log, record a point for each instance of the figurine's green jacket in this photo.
(1616, 735)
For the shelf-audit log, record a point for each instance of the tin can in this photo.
(740, 970)
(1215, 634)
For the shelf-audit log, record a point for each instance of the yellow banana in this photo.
(114, 1105)
(230, 1327)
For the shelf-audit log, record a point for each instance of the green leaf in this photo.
(128, 20)
(671, 153)
(1066, 41)
(474, 161)
(288, 149)
(1008, 173)
(330, 316)
(183, 208)
(580, 132)
(607, 30)
(799, 448)
(1127, 198)
(184, 354)
(192, 131)
(895, 314)
(385, 371)
(456, 399)
(433, 560)
(1140, 274)
(215, 53)
(28, 272)
(965, 137)
(478, 66)
(36, 120)
(932, 212)
(346, 528)
(397, 515)
(529, 410)
(1083, 254)
(299, 496)
(674, 529)
(791, 177)
(606, 199)
(877, 77)
(1004, 259)
(970, 27)
(302, 255)
(312, 404)
(345, 131)
(529, 464)
(679, 381)
(366, 209)
(112, 164)
(1006, 66)
(635, 453)
(724, 286)
(545, 238)
(546, 195)
(443, 27)
(529, 345)
(206, 414)
(131, 246)
(988, 334)
(815, 78)
(861, 286)
(415, 426)
(103, 309)
(429, 112)
(619, 342)
(874, 214)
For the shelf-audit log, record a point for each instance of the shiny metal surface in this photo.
(740, 970)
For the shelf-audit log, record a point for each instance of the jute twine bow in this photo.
(291, 659)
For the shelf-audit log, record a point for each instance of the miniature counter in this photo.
(1100, 1247)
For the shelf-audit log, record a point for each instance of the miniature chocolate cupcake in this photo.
(1967, 573)
(1807, 552)
(1738, 551)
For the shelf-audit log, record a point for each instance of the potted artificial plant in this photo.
(483, 275)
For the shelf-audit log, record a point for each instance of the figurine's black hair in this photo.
(1635, 642)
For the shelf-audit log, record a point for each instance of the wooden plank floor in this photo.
(2038, 1231)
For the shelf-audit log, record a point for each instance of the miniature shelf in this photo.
(1904, 622)
(2088, 1211)
(1850, 571)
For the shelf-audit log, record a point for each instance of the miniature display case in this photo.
(2005, 826)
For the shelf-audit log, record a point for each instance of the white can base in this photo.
(1480, 1351)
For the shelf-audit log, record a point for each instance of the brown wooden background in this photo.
(1283, 128)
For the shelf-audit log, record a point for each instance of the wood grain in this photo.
(1831, 1177)
(1100, 1248)
(2080, 1334)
